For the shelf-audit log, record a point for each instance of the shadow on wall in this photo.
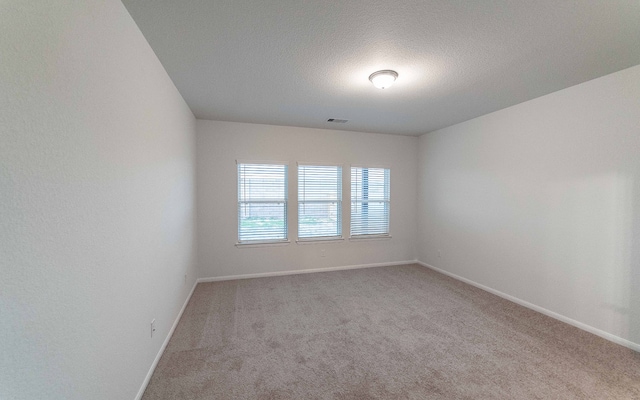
(634, 265)
(589, 226)
(568, 243)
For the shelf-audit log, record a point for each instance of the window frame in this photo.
(339, 206)
(285, 200)
(387, 202)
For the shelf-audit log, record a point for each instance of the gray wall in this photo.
(220, 144)
(541, 201)
(97, 201)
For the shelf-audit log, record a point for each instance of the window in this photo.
(369, 201)
(319, 201)
(262, 203)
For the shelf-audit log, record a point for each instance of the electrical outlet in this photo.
(322, 253)
(153, 326)
(439, 254)
(185, 279)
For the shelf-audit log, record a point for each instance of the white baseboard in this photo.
(598, 332)
(302, 271)
(164, 345)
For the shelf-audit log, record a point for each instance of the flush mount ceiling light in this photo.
(383, 79)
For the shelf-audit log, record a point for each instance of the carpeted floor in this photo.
(402, 332)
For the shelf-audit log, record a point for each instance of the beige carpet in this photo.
(401, 332)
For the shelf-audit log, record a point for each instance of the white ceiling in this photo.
(300, 62)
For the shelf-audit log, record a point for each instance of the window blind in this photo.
(370, 197)
(319, 201)
(262, 202)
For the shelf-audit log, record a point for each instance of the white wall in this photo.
(96, 201)
(542, 201)
(220, 144)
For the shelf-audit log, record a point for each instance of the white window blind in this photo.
(370, 192)
(319, 201)
(262, 202)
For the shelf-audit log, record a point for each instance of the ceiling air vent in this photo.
(337, 121)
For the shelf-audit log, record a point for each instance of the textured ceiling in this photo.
(295, 62)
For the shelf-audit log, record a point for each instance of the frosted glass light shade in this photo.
(383, 79)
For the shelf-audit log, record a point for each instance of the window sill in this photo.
(320, 240)
(263, 244)
(369, 237)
